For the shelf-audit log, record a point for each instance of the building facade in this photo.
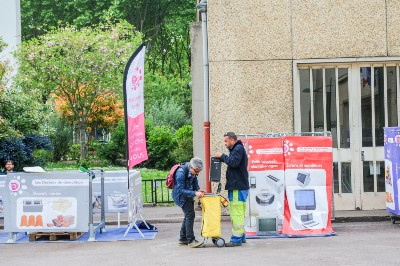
(10, 30)
(306, 66)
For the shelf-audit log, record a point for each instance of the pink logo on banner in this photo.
(137, 78)
(14, 185)
(136, 140)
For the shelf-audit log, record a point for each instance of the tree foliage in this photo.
(78, 67)
(167, 112)
(163, 23)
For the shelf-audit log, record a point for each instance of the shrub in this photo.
(75, 151)
(183, 151)
(61, 138)
(41, 157)
(160, 144)
(116, 148)
(23, 151)
(14, 149)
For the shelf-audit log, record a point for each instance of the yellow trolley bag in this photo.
(211, 218)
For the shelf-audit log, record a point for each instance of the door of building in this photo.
(354, 101)
(377, 104)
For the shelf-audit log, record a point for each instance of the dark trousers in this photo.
(187, 223)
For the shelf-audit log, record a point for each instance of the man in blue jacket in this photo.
(237, 184)
(186, 187)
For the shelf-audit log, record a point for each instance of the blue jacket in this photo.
(185, 185)
(237, 176)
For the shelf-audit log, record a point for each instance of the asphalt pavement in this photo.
(355, 243)
(362, 238)
(173, 214)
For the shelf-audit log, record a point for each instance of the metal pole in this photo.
(103, 215)
(91, 229)
(202, 7)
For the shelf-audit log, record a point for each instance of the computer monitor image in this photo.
(305, 199)
(303, 179)
(267, 225)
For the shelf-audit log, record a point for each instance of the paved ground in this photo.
(357, 243)
(373, 239)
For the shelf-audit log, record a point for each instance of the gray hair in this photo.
(196, 163)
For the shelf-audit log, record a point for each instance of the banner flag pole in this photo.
(136, 150)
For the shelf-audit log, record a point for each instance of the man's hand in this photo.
(218, 155)
(202, 190)
(199, 194)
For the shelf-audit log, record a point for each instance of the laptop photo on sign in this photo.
(307, 220)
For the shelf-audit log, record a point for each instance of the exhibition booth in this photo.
(58, 203)
(290, 178)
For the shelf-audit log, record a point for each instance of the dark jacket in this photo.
(185, 186)
(237, 176)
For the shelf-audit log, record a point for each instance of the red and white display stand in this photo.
(290, 177)
(308, 179)
(266, 176)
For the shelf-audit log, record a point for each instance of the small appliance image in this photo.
(253, 182)
(32, 205)
(265, 198)
(305, 199)
(275, 183)
(303, 179)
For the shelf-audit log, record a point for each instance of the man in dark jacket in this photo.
(186, 187)
(237, 184)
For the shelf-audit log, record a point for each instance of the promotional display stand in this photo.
(46, 202)
(392, 171)
(290, 177)
(64, 203)
(266, 175)
(308, 178)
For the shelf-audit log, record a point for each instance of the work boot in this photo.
(244, 238)
(235, 241)
(194, 243)
(183, 242)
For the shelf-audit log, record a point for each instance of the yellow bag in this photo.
(211, 216)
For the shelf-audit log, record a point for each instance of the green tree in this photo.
(77, 65)
(163, 23)
(167, 112)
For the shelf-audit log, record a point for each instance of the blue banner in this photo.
(392, 168)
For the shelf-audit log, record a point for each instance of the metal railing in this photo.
(155, 191)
